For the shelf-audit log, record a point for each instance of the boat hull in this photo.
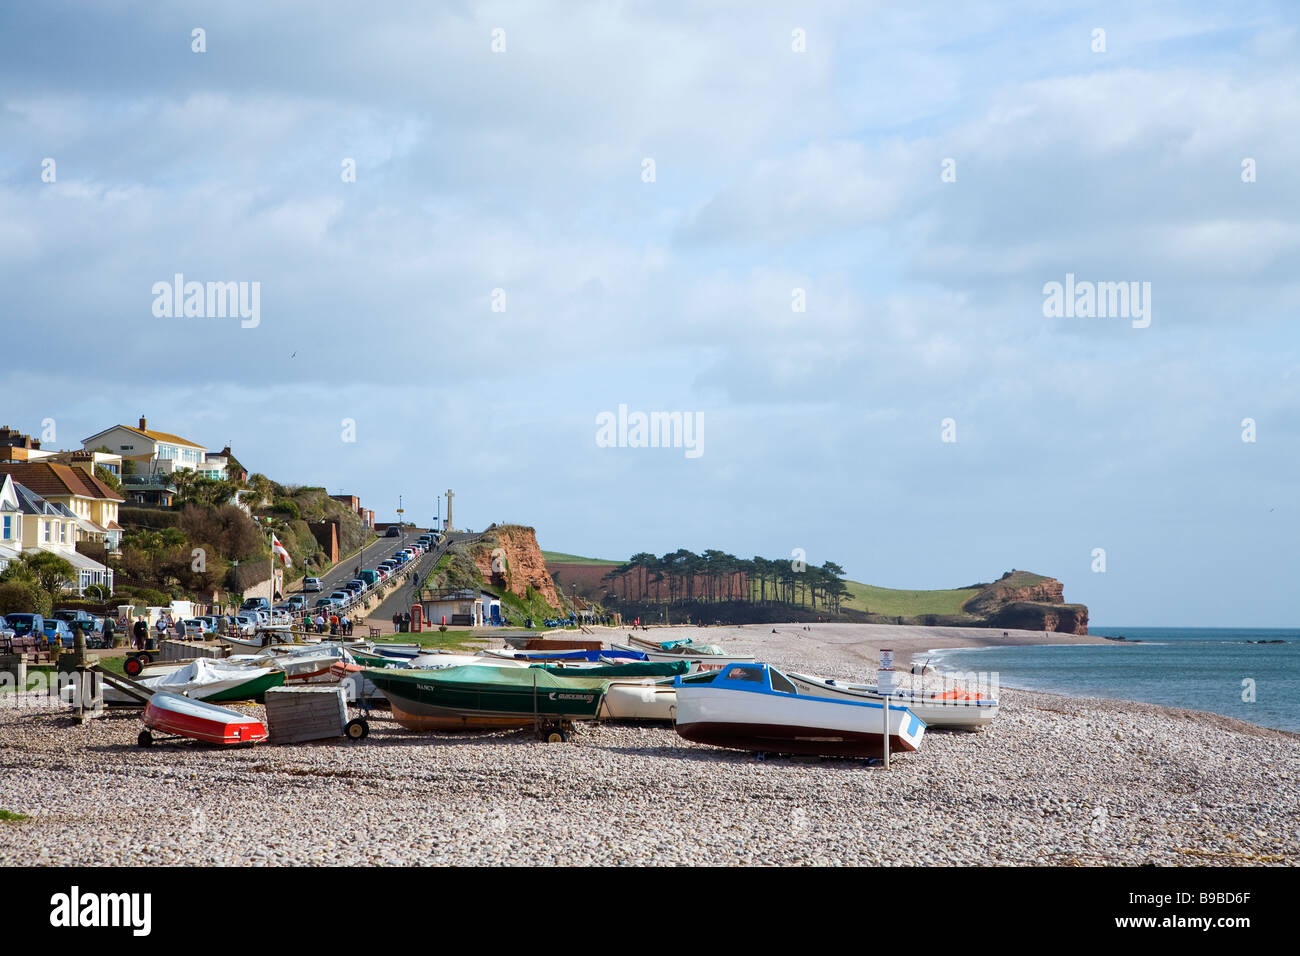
(471, 698)
(699, 662)
(198, 720)
(780, 723)
(640, 700)
(954, 713)
(253, 687)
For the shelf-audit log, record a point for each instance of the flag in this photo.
(278, 548)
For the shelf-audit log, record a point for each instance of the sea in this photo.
(1238, 672)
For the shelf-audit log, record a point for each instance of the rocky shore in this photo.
(1053, 780)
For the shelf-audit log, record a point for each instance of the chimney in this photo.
(144, 425)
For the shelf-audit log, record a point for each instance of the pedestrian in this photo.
(334, 625)
(343, 623)
(180, 630)
(140, 632)
(163, 625)
(109, 629)
(320, 623)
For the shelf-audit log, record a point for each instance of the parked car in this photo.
(197, 627)
(296, 603)
(370, 576)
(77, 617)
(57, 630)
(311, 584)
(393, 532)
(328, 602)
(246, 624)
(343, 597)
(256, 604)
(24, 624)
(356, 586)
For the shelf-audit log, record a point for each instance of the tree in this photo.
(51, 573)
(107, 477)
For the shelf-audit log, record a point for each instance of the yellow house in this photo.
(30, 523)
(92, 503)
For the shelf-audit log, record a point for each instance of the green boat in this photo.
(371, 659)
(478, 696)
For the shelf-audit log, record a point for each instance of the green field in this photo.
(447, 640)
(895, 603)
(559, 557)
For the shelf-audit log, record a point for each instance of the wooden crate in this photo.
(188, 650)
(313, 712)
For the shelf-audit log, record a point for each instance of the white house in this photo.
(155, 451)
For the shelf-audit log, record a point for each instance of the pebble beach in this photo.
(1053, 780)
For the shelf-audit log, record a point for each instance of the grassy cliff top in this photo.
(559, 557)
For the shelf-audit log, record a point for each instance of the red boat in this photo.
(179, 716)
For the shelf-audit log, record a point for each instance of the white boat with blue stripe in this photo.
(755, 707)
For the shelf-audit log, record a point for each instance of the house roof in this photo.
(151, 435)
(33, 504)
(51, 479)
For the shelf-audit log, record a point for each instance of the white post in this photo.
(885, 684)
(886, 734)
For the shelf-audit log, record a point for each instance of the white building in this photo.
(157, 452)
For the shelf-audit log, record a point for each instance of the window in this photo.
(753, 674)
(63, 533)
(49, 532)
(780, 683)
(9, 527)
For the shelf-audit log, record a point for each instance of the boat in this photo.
(952, 708)
(705, 661)
(757, 708)
(369, 658)
(594, 657)
(207, 679)
(250, 646)
(303, 663)
(198, 720)
(612, 670)
(645, 699)
(484, 696)
(397, 650)
(443, 661)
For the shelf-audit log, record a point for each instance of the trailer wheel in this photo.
(357, 729)
(133, 666)
(145, 739)
(556, 737)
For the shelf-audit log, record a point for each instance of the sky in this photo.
(824, 234)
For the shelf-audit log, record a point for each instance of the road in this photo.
(400, 600)
(371, 555)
